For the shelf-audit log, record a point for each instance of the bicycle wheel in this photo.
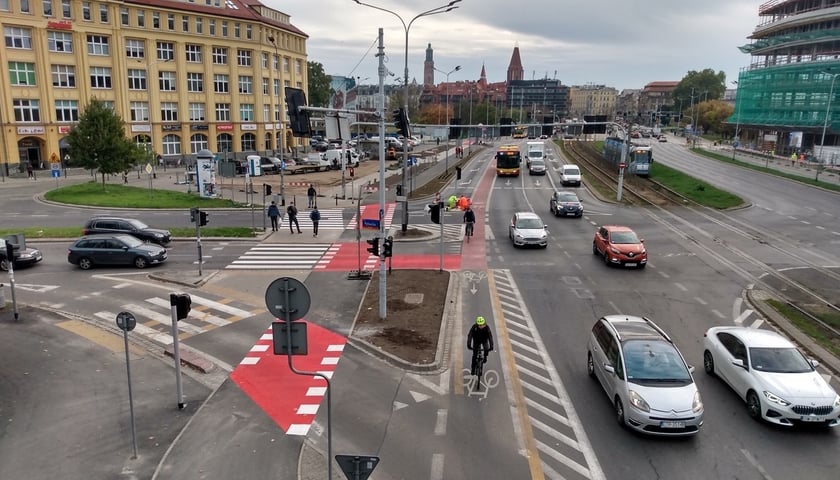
(473, 364)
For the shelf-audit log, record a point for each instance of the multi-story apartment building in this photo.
(592, 100)
(184, 75)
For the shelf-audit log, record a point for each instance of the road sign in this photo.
(126, 321)
(280, 338)
(370, 223)
(55, 173)
(149, 168)
(621, 165)
(357, 467)
(299, 299)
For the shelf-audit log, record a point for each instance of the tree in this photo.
(699, 86)
(319, 85)
(98, 142)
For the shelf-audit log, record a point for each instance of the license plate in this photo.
(630, 264)
(811, 418)
(671, 424)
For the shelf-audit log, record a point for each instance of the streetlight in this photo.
(827, 110)
(278, 122)
(434, 11)
(737, 118)
(447, 110)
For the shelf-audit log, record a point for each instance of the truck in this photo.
(534, 151)
(329, 160)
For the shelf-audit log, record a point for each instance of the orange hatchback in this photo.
(619, 246)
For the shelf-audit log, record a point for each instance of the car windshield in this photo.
(654, 361)
(571, 171)
(537, 163)
(529, 224)
(567, 197)
(138, 224)
(779, 360)
(129, 241)
(624, 237)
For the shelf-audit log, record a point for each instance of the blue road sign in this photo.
(55, 173)
(370, 223)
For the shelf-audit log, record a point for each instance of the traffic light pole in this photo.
(198, 240)
(383, 297)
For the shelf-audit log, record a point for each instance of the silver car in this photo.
(645, 376)
(526, 228)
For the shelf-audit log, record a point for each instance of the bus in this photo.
(508, 160)
(520, 132)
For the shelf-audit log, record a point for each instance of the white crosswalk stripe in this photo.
(281, 256)
(331, 219)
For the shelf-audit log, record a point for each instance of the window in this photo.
(265, 86)
(246, 112)
(266, 112)
(224, 29)
(139, 111)
(277, 87)
(285, 64)
(141, 18)
(220, 55)
(185, 23)
(26, 110)
(264, 60)
(197, 112)
(249, 142)
(277, 114)
(103, 13)
(171, 145)
(165, 51)
(275, 62)
(298, 68)
(195, 82)
(243, 58)
(135, 48)
(47, 8)
(156, 20)
(124, 16)
(249, 32)
(170, 21)
(268, 137)
(221, 83)
(169, 111)
(224, 142)
(109, 104)
(246, 84)
(193, 53)
(100, 77)
(212, 27)
(66, 111)
(24, 6)
(17, 37)
(63, 76)
(22, 73)
(166, 81)
(198, 142)
(65, 9)
(86, 10)
(236, 29)
(136, 79)
(199, 25)
(98, 45)
(222, 112)
(60, 42)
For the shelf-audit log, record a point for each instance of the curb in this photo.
(185, 279)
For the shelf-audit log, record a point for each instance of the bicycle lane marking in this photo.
(553, 437)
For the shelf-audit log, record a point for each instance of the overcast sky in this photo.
(619, 43)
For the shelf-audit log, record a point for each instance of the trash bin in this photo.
(2, 296)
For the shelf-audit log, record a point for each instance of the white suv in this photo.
(570, 175)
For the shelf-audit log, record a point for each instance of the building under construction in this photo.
(787, 98)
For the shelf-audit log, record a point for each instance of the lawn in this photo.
(124, 196)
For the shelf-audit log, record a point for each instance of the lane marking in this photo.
(440, 424)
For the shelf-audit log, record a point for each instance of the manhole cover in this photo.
(414, 298)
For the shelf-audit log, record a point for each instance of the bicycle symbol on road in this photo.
(474, 278)
(473, 388)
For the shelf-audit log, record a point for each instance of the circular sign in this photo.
(299, 299)
(126, 321)
(621, 165)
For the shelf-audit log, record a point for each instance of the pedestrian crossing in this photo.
(154, 320)
(285, 256)
(331, 219)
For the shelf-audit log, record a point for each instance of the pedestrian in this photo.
(29, 171)
(125, 176)
(452, 201)
(315, 216)
(310, 194)
(793, 159)
(292, 212)
(274, 215)
(437, 140)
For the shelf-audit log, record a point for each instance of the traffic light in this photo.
(266, 189)
(182, 303)
(457, 173)
(454, 128)
(399, 190)
(435, 211)
(298, 119)
(202, 218)
(10, 252)
(374, 246)
(193, 214)
(401, 122)
(388, 247)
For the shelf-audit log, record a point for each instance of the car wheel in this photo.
(590, 365)
(141, 262)
(619, 411)
(708, 363)
(606, 258)
(594, 249)
(85, 263)
(753, 405)
(4, 265)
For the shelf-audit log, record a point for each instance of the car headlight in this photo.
(643, 252)
(614, 250)
(518, 235)
(637, 401)
(158, 235)
(697, 403)
(837, 401)
(773, 398)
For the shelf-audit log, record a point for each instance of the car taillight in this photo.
(85, 231)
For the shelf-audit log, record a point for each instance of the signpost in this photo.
(149, 170)
(126, 322)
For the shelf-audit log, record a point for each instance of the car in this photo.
(570, 175)
(775, 379)
(620, 245)
(646, 378)
(527, 229)
(565, 203)
(663, 139)
(114, 249)
(536, 167)
(130, 226)
(24, 258)
(543, 137)
(320, 146)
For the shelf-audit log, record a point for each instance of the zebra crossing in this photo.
(331, 219)
(285, 256)
(154, 319)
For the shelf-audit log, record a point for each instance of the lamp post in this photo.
(407, 26)
(827, 111)
(447, 110)
(737, 118)
(278, 123)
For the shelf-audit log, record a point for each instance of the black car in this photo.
(23, 258)
(565, 203)
(130, 226)
(119, 249)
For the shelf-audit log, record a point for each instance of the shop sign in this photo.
(31, 130)
(198, 127)
(248, 126)
(171, 127)
(224, 127)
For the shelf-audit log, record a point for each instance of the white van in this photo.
(570, 175)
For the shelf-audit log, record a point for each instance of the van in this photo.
(570, 175)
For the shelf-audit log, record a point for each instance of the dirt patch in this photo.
(410, 330)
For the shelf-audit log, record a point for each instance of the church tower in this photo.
(429, 68)
(482, 79)
(515, 70)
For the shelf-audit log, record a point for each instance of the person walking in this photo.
(29, 171)
(310, 194)
(274, 215)
(315, 216)
(292, 213)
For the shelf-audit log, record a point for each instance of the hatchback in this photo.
(92, 250)
(527, 228)
(645, 376)
(130, 226)
(620, 246)
(536, 167)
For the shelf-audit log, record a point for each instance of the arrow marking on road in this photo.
(36, 288)
(399, 405)
(419, 397)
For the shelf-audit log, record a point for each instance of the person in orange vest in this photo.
(463, 202)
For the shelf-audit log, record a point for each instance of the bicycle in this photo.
(477, 365)
(468, 231)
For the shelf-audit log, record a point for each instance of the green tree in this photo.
(697, 87)
(98, 142)
(319, 85)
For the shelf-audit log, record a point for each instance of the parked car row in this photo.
(109, 240)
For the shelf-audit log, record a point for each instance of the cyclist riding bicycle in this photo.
(469, 219)
(480, 336)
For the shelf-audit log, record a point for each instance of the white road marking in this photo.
(755, 464)
(680, 286)
(719, 315)
(743, 316)
(440, 424)
(437, 467)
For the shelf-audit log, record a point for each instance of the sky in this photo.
(618, 43)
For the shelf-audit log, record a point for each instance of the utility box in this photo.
(254, 166)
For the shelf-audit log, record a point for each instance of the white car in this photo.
(527, 228)
(776, 380)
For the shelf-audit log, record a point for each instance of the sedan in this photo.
(536, 167)
(776, 380)
(565, 203)
(619, 246)
(92, 250)
(24, 258)
(526, 228)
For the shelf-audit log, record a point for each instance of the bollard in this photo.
(2, 297)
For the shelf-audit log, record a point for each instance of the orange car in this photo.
(619, 246)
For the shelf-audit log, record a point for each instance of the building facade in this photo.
(592, 100)
(183, 75)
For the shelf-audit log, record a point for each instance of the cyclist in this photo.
(469, 220)
(480, 336)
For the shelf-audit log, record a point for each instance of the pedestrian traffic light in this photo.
(374, 246)
(193, 214)
(388, 247)
(182, 303)
(457, 173)
(298, 119)
(435, 211)
(202, 218)
(266, 189)
(399, 190)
